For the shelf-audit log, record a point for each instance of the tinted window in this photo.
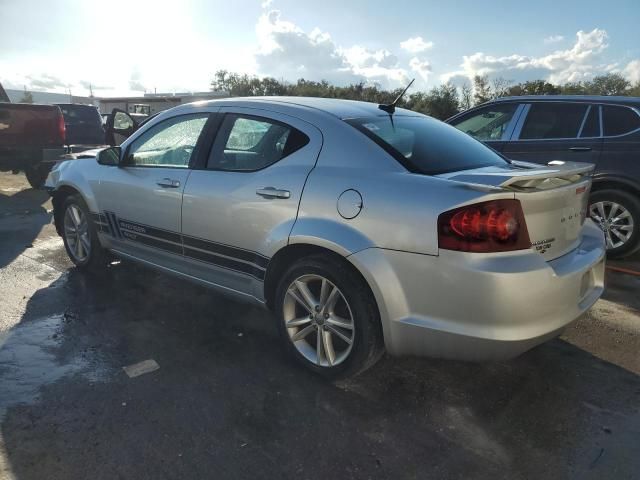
(619, 120)
(488, 124)
(591, 127)
(248, 143)
(169, 143)
(425, 145)
(553, 120)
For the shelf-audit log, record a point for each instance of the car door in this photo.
(240, 206)
(491, 124)
(118, 127)
(547, 131)
(141, 199)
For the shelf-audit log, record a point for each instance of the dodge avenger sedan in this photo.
(362, 227)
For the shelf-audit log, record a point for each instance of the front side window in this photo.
(551, 120)
(488, 124)
(425, 145)
(169, 143)
(248, 143)
(619, 120)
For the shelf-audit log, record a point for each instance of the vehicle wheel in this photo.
(37, 174)
(618, 214)
(80, 235)
(328, 318)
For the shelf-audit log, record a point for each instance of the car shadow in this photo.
(22, 217)
(227, 403)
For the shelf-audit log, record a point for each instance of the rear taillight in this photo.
(495, 226)
(61, 130)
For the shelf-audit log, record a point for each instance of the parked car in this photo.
(83, 126)
(360, 229)
(601, 130)
(32, 137)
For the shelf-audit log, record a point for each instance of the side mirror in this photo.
(109, 156)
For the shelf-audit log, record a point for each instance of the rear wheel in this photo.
(328, 319)
(618, 214)
(80, 235)
(37, 174)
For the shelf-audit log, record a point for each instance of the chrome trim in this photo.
(508, 133)
(584, 120)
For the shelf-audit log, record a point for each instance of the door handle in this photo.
(272, 192)
(580, 149)
(168, 183)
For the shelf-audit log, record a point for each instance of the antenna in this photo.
(390, 108)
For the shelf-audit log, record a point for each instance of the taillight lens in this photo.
(495, 226)
(62, 131)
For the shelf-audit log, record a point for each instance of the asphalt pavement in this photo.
(226, 403)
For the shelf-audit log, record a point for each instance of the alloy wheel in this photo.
(76, 232)
(319, 321)
(615, 220)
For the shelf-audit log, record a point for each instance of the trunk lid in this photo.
(554, 199)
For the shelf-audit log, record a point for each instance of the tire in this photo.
(95, 257)
(624, 209)
(37, 174)
(352, 304)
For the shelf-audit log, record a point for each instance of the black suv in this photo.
(604, 131)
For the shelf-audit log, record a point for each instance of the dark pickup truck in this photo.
(32, 138)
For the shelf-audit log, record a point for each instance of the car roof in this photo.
(340, 108)
(614, 99)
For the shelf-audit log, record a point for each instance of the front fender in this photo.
(71, 175)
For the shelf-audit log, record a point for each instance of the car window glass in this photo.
(122, 121)
(247, 143)
(426, 145)
(553, 120)
(488, 124)
(169, 143)
(619, 120)
(591, 127)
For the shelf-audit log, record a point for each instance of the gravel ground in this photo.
(226, 403)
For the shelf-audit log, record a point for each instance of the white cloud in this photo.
(553, 39)
(421, 67)
(287, 51)
(632, 71)
(266, 4)
(576, 63)
(416, 45)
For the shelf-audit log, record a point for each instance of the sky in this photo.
(123, 47)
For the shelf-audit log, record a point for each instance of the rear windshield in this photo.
(425, 145)
(80, 115)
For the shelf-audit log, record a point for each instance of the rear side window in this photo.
(591, 127)
(425, 145)
(619, 120)
(553, 120)
(249, 143)
(490, 123)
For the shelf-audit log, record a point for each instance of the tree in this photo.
(534, 87)
(481, 89)
(608, 84)
(500, 87)
(27, 97)
(466, 96)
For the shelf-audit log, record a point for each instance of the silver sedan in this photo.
(362, 228)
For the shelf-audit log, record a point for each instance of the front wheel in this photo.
(328, 318)
(80, 235)
(618, 214)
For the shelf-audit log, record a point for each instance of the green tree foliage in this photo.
(440, 102)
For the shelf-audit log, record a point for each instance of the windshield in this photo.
(80, 115)
(425, 145)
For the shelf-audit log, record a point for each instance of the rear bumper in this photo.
(470, 306)
(21, 158)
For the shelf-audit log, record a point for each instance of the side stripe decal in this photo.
(221, 255)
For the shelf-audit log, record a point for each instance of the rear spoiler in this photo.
(529, 176)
